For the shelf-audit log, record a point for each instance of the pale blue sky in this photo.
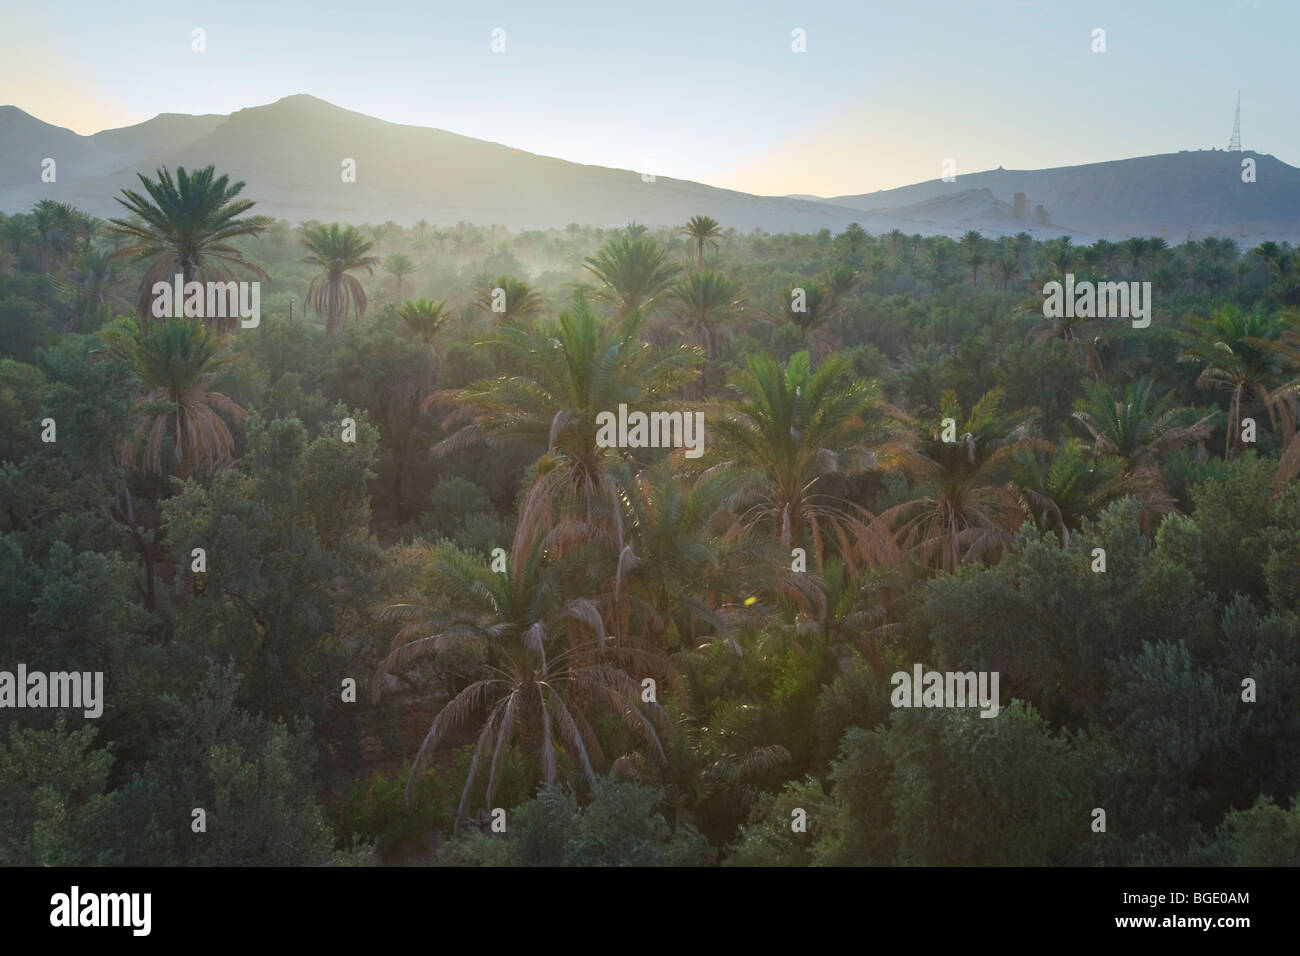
(707, 90)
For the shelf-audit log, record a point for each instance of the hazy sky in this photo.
(708, 90)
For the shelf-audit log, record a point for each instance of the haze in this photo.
(707, 92)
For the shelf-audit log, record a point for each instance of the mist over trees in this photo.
(430, 603)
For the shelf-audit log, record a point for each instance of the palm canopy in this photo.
(1286, 400)
(1246, 353)
(92, 287)
(1059, 493)
(551, 666)
(56, 227)
(509, 300)
(337, 251)
(810, 304)
(567, 372)
(633, 273)
(962, 462)
(705, 302)
(399, 265)
(185, 227)
(1137, 426)
(702, 230)
(424, 318)
(792, 429)
(689, 572)
(176, 361)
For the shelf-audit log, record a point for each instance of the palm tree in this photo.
(1286, 400)
(93, 287)
(521, 301)
(424, 318)
(1073, 331)
(810, 306)
(565, 374)
(1057, 496)
(685, 567)
(854, 235)
(56, 231)
(1060, 254)
(705, 302)
(399, 265)
(1137, 427)
(939, 252)
(792, 431)
(1136, 248)
(855, 613)
(20, 233)
(1007, 268)
(86, 227)
(702, 230)
(176, 361)
(1245, 353)
(633, 272)
(896, 239)
(1105, 250)
(967, 511)
(184, 227)
(973, 245)
(549, 662)
(338, 252)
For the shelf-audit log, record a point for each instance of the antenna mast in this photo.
(1234, 144)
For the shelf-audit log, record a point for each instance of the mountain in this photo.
(290, 153)
(25, 142)
(1173, 195)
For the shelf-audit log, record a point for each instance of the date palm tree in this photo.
(1135, 248)
(792, 433)
(1138, 429)
(1286, 399)
(424, 318)
(337, 251)
(20, 233)
(1059, 493)
(550, 668)
(690, 572)
(399, 265)
(811, 304)
(633, 273)
(705, 302)
(1240, 352)
(184, 227)
(564, 374)
(92, 286)
(176, 361)
(518, 299)
(966, 510)
(702, 230)
(56, 232)
(854, 236)
(973, 245)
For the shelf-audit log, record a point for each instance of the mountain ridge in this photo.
(291, 153)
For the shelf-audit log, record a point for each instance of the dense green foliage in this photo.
(644, 657)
